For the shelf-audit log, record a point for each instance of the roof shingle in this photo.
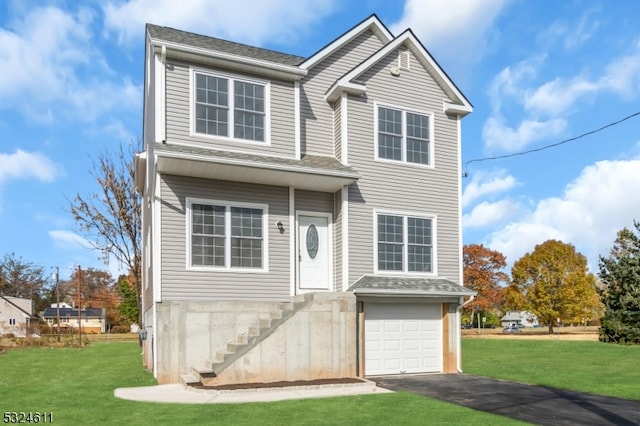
(216, 44)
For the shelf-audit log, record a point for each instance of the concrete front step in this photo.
(267, 323)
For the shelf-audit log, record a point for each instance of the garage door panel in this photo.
(412, 345)
(392, 345)
(411, 326)
(391, 326)
(402, 338)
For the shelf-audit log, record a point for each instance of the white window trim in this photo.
(228, 204)
(232, 79)
(405, 258)
(404, 110)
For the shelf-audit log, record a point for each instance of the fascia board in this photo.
(372, 23)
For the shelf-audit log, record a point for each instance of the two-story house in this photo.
(16, 316)
(67, 318)
(301, 216)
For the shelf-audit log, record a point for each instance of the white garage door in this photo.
(402, 338)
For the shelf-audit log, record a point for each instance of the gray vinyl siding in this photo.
(313, 201)
(398, 186)
(180, 283)
(179, 115)
(317, 114)
(337, 237)
(337, 129)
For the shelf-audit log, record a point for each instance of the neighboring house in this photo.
(92, 319)
(300, 216)
(523, 318)
(16, 316)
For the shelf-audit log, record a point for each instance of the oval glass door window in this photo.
(312, 241)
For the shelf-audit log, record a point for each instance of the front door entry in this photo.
(313, 253)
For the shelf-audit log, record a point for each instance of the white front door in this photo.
(313, 253)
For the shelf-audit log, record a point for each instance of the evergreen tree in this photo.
(620, 293)
(128, 308)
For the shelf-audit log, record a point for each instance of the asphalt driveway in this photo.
(534, 404)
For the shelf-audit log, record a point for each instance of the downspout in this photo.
(459, 334)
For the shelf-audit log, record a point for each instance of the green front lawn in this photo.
(584, 366)
(77, 386)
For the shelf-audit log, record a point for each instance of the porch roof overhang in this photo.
(408, 286)
(314, 173)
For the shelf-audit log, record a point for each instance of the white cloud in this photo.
(543, 108)
(248, 21)
(497, 135)
(52, 67)
(457, 32)
(68, 240)
(601, 201)
(557, 96)
(27, 165)
(119, 131)
(83, 252)
(486, 214)
(485, 183)
(508, 83)
(572, 35)
(622, 75)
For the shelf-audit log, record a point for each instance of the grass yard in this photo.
(584, 366)
(77, 385)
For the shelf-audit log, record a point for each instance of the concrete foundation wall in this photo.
(319, 341)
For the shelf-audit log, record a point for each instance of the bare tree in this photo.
(19, 278)
(111, 218)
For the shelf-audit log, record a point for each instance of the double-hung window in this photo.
(405, 243)
(404, 135)
(230, 108)
(227, 236)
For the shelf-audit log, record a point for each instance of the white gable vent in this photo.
(404, 60)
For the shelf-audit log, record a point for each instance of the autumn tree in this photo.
(483, 273)
(111, 218)
(555, 283)
(97, 290)
(19, 278)
(620, 293)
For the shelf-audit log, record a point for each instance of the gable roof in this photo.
(25, 313)
(372, 23)
(190, 46)
(457, 103)
(169, 34)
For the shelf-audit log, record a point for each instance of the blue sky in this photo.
(537, 73)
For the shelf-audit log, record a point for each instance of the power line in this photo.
(515, 154)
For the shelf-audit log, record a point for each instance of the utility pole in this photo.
(58, 301)
(79, 309)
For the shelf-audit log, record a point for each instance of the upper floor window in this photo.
(227, 236)
(230, 107)
(404, 135)
(405, 243)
